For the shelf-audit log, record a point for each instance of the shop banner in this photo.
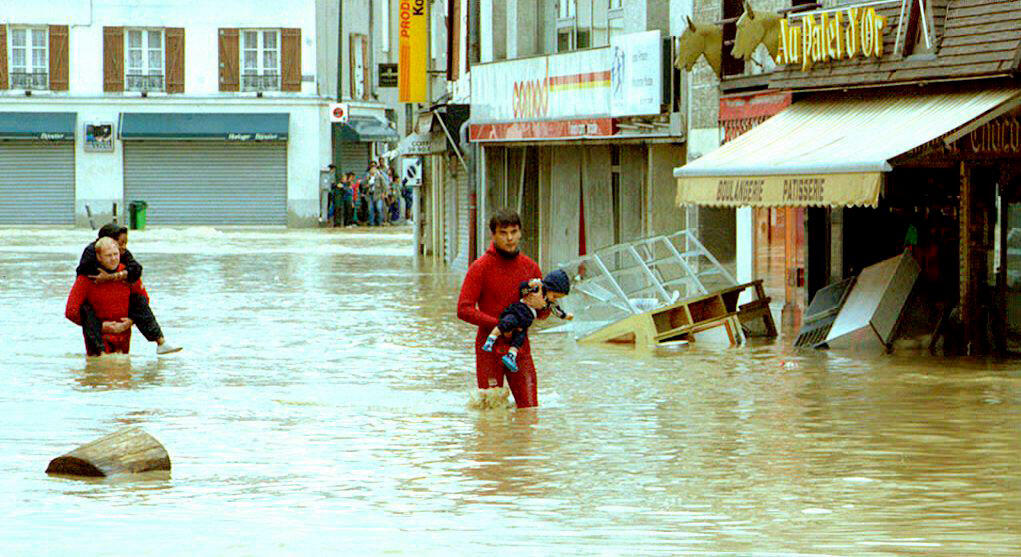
(561, 86)
(413, 61)
(636, 74)
(568, 95)
(855, 189)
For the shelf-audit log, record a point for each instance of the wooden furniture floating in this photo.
(684, 320)
(128, 451)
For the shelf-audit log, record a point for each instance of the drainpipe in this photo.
(340, 52)
(469, 162)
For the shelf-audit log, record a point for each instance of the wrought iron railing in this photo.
(256, 82)
(144, 82)
(25, 80)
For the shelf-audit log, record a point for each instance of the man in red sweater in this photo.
(492, 284)
(110, 300)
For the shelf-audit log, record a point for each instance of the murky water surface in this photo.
(320, 406)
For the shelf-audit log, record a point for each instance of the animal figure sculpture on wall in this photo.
(700, 39)
(754, 29)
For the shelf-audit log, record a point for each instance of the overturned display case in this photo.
(659, 290)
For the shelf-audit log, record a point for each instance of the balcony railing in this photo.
(37, 81)
(255, 82)
(144, 82)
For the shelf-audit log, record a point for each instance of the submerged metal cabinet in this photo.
(208, 182)
(869, 316)
(36, 182)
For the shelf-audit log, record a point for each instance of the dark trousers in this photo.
(515, 321)
(363, 210)
(340, 212)
(138, 311)
(347, 212)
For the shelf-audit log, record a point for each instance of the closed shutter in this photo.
(463, 230)
(453, 41)
(175, 60)
(58, 58)
(366, 69)
(3, 57)
(208, 182)
(354, 157)
(113, 59)
(450, 214)
(37, 182)
(230, 72)
(290, 60)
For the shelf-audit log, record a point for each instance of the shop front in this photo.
(879, 172)
(776, 234)
(575, 142)
(357, 142)
(37, 159)
(207, 168)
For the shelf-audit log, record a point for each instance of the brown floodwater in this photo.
(320, 405)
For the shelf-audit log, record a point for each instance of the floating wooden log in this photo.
(128, 451)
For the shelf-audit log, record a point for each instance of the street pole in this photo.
(416, 215)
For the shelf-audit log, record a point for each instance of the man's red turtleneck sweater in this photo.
(491, 285)
(110, 300)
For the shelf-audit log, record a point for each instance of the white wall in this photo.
(200, 19)
(100, 176)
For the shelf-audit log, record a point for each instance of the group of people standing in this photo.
(375, 199)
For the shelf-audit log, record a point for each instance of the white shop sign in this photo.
(624, 79)
(556, 87)
(636, 74)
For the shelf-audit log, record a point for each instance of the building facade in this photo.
(213, 114)
(576, 117)
(899, 136)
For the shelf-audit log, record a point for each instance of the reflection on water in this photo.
(115, 371)
(322, 402)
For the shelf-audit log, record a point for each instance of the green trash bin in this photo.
(137, 210)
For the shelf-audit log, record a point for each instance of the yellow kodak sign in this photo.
(413, 61)
(829, 36)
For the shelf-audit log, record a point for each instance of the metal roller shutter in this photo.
(36, 182)
(462, 220)
(208, 182)
(354, 157)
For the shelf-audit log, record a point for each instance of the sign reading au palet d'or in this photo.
(414, 51)
(847, 33)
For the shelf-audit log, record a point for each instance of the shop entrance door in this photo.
(1011, 277)
(780, 261)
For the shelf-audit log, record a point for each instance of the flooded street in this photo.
(319, 406)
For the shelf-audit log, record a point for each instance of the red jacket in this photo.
(492, 284)
(110, 300)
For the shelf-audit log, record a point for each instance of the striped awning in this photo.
(832, 150)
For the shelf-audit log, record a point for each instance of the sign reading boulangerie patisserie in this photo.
(808, 190)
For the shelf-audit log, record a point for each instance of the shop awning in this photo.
(50, 126)
(831, 150)
(205, 125)
(361, 129)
